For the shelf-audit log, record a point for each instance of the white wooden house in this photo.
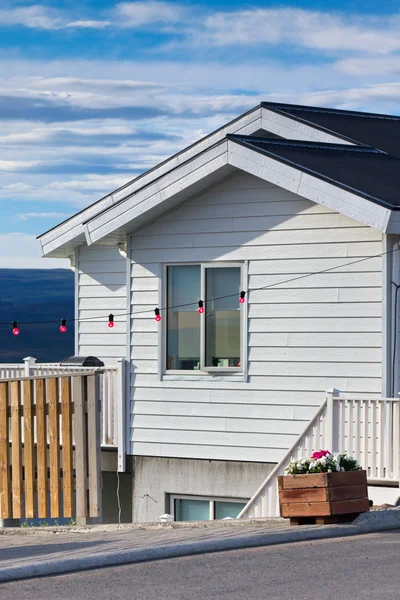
(299, 208)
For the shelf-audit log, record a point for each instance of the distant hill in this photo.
(36, 295)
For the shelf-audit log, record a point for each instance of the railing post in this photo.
(29, 363)
(331, 421)
(121, 415)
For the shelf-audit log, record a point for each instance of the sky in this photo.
(94, 92)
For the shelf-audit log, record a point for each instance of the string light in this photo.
(63, 327)
(157, 311)
(201, 307)
(242, 298)
(111, 320)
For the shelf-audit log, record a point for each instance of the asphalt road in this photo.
(364, 567)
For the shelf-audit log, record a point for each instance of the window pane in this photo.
(183, 322)
(228, 509)
(192, 510)
(223, 317)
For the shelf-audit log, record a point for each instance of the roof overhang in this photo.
(62, 240)
(213, 165)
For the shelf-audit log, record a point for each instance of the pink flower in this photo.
(320, 454)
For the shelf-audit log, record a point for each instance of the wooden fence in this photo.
(50, 463)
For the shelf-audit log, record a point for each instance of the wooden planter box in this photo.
(323, 497)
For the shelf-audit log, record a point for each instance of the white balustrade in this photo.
(369, 429)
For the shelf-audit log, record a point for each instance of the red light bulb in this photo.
(201, 307)
(158, 317)
(15, 330)
(242, 298)
(111, 324)
(157, 313)
(63, 327)
(111, 320)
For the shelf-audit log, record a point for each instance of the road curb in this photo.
(366, 523)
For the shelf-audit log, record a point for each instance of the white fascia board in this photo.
(393, 225)
(308, 186)
(121, 216)
(247, 124)
(291, 129)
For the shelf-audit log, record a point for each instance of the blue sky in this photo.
(95, 92)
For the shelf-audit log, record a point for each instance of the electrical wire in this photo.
(277, 283)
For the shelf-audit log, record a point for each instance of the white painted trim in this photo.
(387, 321)
(290, 128)
(76, 302)
(308, 186)
(128, 369)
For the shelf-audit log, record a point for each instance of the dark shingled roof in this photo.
(363, 170)
(371, 129)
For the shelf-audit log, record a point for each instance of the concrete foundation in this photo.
(156, 479)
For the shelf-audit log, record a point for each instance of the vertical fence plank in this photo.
(41, 442)
(67, 464)
(5, 496)
(80, 446)
(94, 453)
(29, 450)
(54, 439)
(16, 449)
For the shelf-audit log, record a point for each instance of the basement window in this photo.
(198, 508)
(211, 340)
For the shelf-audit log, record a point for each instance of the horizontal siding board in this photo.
(316, 309)
(223, 438)
(307, 354)
(316, 340)
(102, 351)
(102, 267)
(144, 339)
(103, 279)
(316, 369)
(207, 452)
(224, 410)
(337, 324)
(209, 423)
(279, 293)
(323, 280)
(301, 266)
(251, 238)
(351, 249)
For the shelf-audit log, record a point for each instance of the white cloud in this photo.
(43, 215)
(310, 29)
(373, 65)
(40, 17)
(22, 251)
(141, 14)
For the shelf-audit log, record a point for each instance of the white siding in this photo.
(304, 336)
(101, 273)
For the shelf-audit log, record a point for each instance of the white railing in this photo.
(369, 429)
(112, 395)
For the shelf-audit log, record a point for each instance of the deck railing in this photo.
(369, 429)
(50, 463)
(112, 396)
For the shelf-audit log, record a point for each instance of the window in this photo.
(211, 341)
(186, 508)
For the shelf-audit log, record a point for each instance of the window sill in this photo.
(203, 376)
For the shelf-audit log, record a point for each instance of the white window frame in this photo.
(204, 371)
(210, 499)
